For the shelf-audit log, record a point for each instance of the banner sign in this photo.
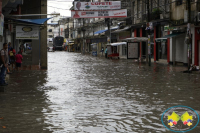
(132, 50)
(99, 14)
(27, 32)
(1, 24)
(108, 5)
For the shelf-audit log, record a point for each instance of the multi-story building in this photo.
(166, 18)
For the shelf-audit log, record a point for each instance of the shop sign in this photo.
(99, 14)
(27, 32)
(107, 5)
(167, 28)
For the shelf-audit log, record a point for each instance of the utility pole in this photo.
(189, 33)
(59, 27)
(83, 36)
(149, 46)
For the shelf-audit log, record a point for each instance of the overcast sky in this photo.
(60, 6)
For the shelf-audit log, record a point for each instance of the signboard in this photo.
(27, 32)
(100, 14)
(132, 50)
(1, 24)
(167, 28)
(107, 5)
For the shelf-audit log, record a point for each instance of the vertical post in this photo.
(189, 33)
(110, 29)
(59, 27)
(83, 36)
(149, 46)
(43, 35)
(40, 47)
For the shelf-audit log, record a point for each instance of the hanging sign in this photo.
(107, 5)
(99, 14)
(27, 32)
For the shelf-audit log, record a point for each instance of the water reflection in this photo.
(97, 95)
(89, 94)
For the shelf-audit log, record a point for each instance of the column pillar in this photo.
(154, 43)
(168, 48)
(140, 44)
(43, 47)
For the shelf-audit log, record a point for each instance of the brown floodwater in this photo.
(81, 93)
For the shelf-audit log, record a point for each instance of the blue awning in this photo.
(34, 21)
(101, 31)
(31, 21)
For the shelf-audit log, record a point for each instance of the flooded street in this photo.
(88, 94)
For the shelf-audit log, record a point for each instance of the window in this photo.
(167, 5)
(50, 36)
(179, 2)
(138, 8)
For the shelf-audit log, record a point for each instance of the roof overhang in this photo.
(118, 43)
(169, 36)
(121, 30)
(30, 21)
(136, 39)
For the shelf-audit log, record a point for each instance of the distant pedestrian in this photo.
(9, 47)
(12, 53)
(102, 50)
(18, 59)
(4, 64)
(106, 52)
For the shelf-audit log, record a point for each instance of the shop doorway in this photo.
(163, 50)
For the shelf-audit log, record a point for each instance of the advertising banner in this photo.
(27, 32)
(99, 14)
(107, 5)
(132, 50)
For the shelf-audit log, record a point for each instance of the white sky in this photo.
(58, 6)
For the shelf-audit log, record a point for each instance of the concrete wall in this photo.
(37, 7)
(177, 12)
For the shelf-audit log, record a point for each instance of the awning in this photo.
(32, 21)
(137, 39)
(120, 30)
(118, 43)
(101, 31)
(169, 36)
